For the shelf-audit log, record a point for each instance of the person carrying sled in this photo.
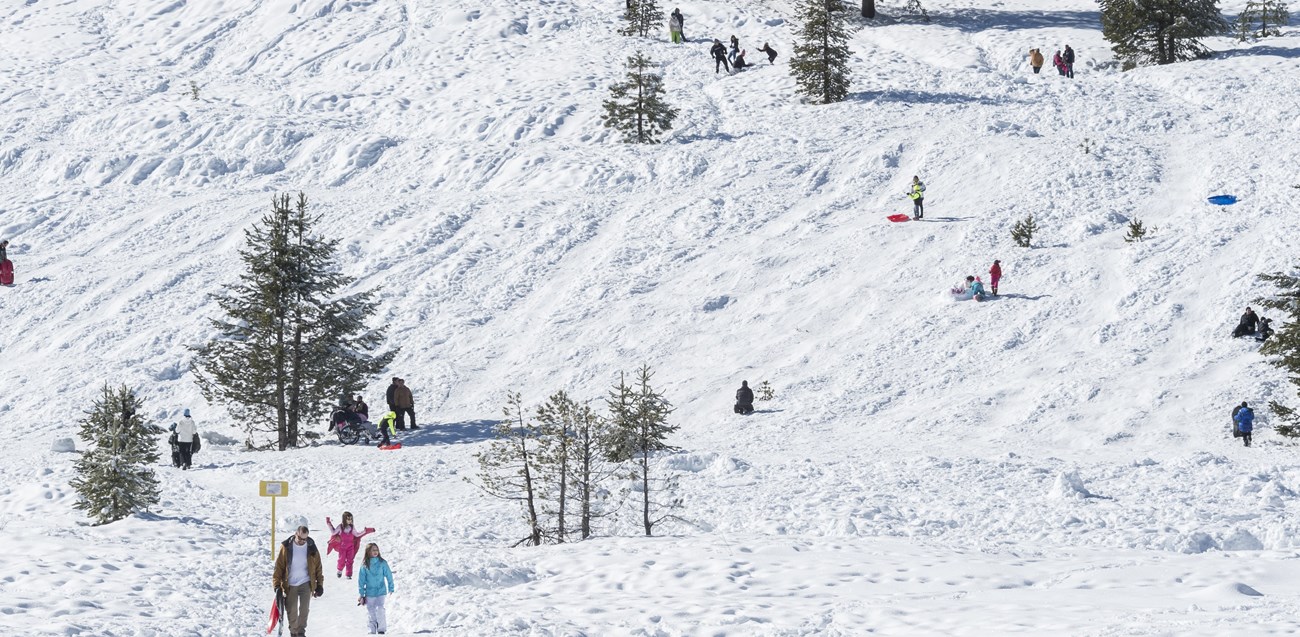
(676, 21)
(917, 193)
(374, 583)
(1246, 326)
(298, 576)
(345, 538)
(719, 52)
(1243, 422)
(771, 53)
(744, 399)
(1035, 60)
(187, 435)
(995, 275)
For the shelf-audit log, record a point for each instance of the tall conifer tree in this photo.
(636, 106)
(1144, 32)
(820, 63)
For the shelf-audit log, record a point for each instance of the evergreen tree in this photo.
(643, 17)
(288, 344)
(1262, 18)
(1143, 32)
(640, 415)
(571, 458)
(765, 391)
(1022, 232)
(1283, 347)
(914, 7)
(820, 64)
(636, 107)
(509, 468)
(1136, 231)
(113, 478)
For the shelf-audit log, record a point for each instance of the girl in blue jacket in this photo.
(374, 583)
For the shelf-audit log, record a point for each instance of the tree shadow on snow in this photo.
(972, 20)
(1258, 51)
(450, 433)
(920, 97)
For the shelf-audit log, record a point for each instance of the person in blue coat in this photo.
(1245, 422)
(374, 584)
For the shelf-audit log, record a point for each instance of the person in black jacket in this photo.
(771, 53)
(1249, 321)
(1068, 58)
(719, 52)
(744, 399)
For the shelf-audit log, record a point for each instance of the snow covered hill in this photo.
(1055, 461)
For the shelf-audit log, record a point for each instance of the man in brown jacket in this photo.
(298, 574)
(401, 402)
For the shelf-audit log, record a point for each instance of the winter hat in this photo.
(172, 428)
(187, 412)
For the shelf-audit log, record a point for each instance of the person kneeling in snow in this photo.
(977, 289)
(744, 399)
(1265, 330)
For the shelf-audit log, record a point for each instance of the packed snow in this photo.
(1054, 461)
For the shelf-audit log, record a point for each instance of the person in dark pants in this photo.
(744, 399)
(771, 53)
(719, 52)
(917, 193)
(1247, 325)
(1243, 419)
(401, 402)
(1067, 59)
(186, 432)
(734, 50)
(299, 576)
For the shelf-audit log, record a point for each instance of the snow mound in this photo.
(63, 445)
(1068, 486)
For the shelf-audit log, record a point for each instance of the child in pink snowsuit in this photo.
(995, 275)
(345, 538)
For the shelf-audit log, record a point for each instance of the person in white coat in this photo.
(186, 432)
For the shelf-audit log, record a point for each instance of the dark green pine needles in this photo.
(636, 107)
(820, 64)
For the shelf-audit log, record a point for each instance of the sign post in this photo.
(273, 489)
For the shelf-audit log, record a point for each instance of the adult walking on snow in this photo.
(1058, 63)
(719, 52)
(345, 538)
(676, 22)
(771, 53)
(995, 275)
(1243, 422)
(917, 193)
(297, 574)
(744, 399)
(1035, 60)
(186, 434)
(374, 583)
(401, 402)
(1067, 59)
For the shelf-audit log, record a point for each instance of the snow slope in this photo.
(1055, 461)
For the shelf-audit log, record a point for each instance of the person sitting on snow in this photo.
(976, 289)
(1264, 331)
(744, 399)
(739, 62)
(1249, 321)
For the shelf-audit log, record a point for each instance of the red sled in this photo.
(898, 218)
(276, 612)
(6, 272)
(395, 445)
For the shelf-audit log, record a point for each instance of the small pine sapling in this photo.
(113, 478)
(636, 106)
(1023, 231)
(914, 8)
(639, 417)
(1136, 231)
(194, 90)
(765, 391)
(509, 470)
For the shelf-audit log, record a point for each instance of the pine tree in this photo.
(820, 64)
(1136, 231)
(639, 416)
(509, 469)
(643, 17)
(1283, 347)
(1261, 19)
(1022, 232)
(288, 344)
(114, 479)
(914, 7)
(765, 391)
(1143, 32)
(636, 107)
(571, 457)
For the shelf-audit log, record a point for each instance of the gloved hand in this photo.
(369, 529)
(361, 601)
(320, 590)
(327, 521)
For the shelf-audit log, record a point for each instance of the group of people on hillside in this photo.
(298, 576)
(1063, 61)
(973, 286)
(1252, 325)
(723, 58)
(354, 410)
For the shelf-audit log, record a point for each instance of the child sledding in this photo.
(971, 288)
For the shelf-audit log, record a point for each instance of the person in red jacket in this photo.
(995, 273)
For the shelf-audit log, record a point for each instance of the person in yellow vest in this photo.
(917, 193)
(386, 427)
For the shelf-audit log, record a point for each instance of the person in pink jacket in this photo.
(345, 538)
(995, 275)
